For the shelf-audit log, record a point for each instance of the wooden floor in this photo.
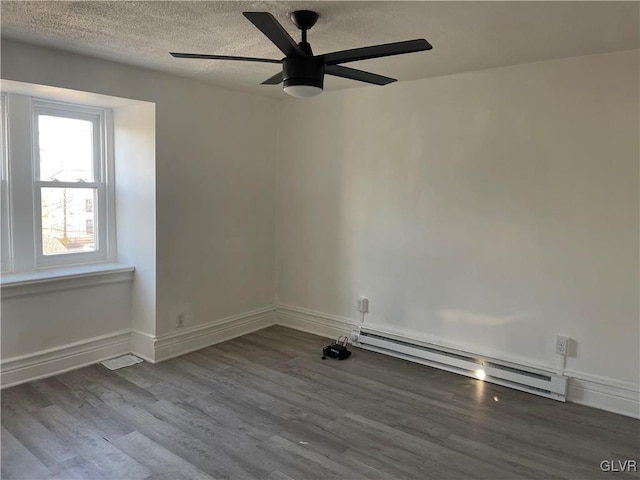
(266, 406)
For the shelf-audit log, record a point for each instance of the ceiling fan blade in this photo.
(353, 74)
(376, 51)
(275, 80)
(223, 57)
(267, 24)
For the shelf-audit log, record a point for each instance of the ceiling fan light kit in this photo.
(302, 73)
(302, 91)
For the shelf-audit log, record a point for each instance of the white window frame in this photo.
(5, 225)
(25, 185)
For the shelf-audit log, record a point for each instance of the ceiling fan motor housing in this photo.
(303, 71)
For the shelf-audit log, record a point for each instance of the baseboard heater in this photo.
(518, 377)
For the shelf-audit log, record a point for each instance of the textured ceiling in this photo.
(465, 35)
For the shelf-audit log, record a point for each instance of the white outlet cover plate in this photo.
(562, 344)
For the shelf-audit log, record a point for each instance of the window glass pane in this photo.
(68, 220)
(66, 149)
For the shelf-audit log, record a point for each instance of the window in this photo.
(64, 162)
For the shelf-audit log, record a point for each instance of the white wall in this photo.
(34, 323)
(135, 179)
(489, 210)
(215, 186)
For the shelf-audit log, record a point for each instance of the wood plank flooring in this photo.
(265, 406)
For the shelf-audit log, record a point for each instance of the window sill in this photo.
(66, 278)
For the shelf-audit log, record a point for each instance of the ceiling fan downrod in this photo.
(304, 20)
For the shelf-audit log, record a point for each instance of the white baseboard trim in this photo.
(53, 361)
(46, 363)
(188, 340)
(598, 392)
(603, 393)
(310, 321)
(142, 345)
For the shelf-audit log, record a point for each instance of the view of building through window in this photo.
(67, 226)
(66, 148)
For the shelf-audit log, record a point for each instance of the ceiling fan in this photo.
(302, 71)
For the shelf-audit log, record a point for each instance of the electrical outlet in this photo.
(180, 320)
(363, 304)
(562, 345)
